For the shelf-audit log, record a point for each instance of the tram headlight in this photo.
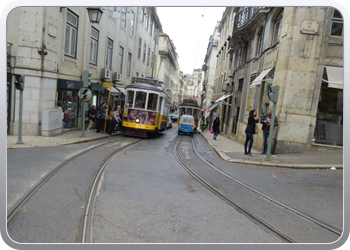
(137, 120)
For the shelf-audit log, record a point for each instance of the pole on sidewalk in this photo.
(83, 118)
(20, 117)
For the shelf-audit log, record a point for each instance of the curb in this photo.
(274, 164)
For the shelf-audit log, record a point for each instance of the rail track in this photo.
(262, 219)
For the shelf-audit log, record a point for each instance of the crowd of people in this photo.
(97, 120)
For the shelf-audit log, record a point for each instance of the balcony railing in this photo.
(212, 42)
(244, 15)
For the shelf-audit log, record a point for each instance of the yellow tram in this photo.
(190, 107)
(146, 108)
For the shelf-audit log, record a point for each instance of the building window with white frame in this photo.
(70, 47)
(144, 52)
(113, 8)
(93, 46)
(121, 59)
(139, 49)
(148, 55)
(337, 24)
(132, 21)
(142, 14)
(147, 21)
(128, 70)
(277, 28)
(260, 42)
(123, 20)
(109, 55)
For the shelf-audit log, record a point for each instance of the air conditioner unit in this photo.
(117, 77)
(169, 90)
(230, 74)
(106, 74)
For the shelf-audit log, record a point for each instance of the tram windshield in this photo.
(195, 112)
(140, 99)
(189, 111)
(183, 111)
(130, 99)
(152, 101)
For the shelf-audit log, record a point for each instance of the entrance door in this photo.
(68, 101)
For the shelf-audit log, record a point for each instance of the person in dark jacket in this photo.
(266, 121)
(216, 125)
(101, 119)
(250, 131)
(92, 117)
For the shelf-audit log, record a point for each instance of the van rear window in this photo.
(187, 120)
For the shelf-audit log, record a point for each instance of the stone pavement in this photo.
(228, 150)
(233, 151)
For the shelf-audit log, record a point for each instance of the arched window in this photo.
(277, 28)
(337, 24)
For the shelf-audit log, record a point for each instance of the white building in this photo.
(52, 46)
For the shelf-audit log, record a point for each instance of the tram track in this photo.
(285, 237)
(85, 230)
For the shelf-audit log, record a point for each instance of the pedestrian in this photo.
(216, 125)
(250, 131)
(203, 124)
(101, 114)
(117, 118)
(266, 122)
(110, 121)
(92, 117)
(207, 119)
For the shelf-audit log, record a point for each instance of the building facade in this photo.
(53, 46)
(300, 49)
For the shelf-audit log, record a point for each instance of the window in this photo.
(137, 74)
(112, 8)
(148, 55)
(142, 13)
(337, 24)
(139, 51)
(129, 99)
(121, 59)
(152, 60)
(152, 101)
(260, 42)
(152, 25)
(277, 28)
(147, 21)
(240, 84)
(93, 46)
(109, 54)
(128, 70)
(132, 23)
(70, 47)
(124, 9)
(140, 101)
(144, 52)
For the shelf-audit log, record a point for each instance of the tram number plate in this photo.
(186, 129)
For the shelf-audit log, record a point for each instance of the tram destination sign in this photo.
(145, 80)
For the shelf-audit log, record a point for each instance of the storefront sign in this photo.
(69, 84)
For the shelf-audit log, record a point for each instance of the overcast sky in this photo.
(190, 29)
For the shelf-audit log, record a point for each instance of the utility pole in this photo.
(19, 84)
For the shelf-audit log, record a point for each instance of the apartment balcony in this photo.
(244, 18)
(166, 51)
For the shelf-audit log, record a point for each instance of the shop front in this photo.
(329, 121)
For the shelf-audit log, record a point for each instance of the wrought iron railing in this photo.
(212, 42)
(244, 15)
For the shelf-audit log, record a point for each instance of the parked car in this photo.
(174, 117)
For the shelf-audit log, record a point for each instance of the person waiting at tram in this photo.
(110, 121)
(92, 117)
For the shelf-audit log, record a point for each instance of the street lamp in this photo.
(95, 14)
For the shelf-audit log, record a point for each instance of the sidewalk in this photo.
(228, 150)
(233, 151)
(69, 137)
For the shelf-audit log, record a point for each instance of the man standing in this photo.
(266, 121)
(101, 113)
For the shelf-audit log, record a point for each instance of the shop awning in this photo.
(260, 77)
(114, 91)
(335, 77)
(218, 101)
(121, 90)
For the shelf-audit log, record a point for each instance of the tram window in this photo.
(130, 99)
(160, 104)
(195, 112)
(183, 111)
(152, 101)
(140, 100)
(189, 112)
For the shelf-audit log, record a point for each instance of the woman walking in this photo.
(110, 122)
(216, 125)
(250, 131)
